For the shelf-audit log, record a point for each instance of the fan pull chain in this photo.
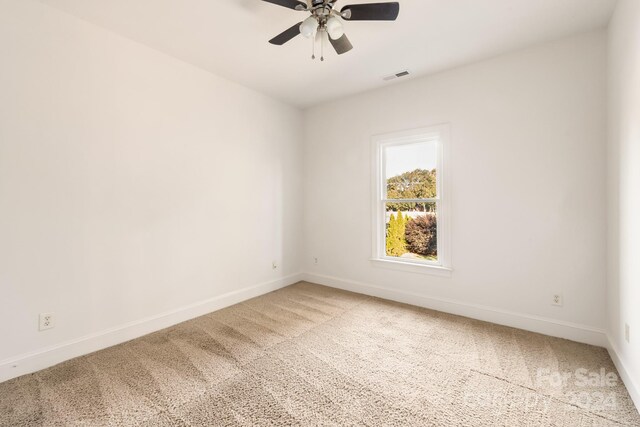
(322, 47)
(313, 47)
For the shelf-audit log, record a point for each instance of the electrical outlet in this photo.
(315, 261)
(626, 332)
(46, 321)
(557, 300)
(274, 265)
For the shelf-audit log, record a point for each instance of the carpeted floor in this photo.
(310, 355)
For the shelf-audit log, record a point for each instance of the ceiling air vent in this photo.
(396, 75)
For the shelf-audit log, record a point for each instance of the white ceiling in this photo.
(230, 38)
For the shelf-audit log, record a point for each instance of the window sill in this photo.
(412, 267)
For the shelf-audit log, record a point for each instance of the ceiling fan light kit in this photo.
(325, 19)
(308, 27)
(335, 29)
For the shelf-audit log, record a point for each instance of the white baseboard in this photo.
(41, 359)
(542, 325)
(632, 387)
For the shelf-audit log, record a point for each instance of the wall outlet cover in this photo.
(46, 321)
(627, 332)
(557, 300)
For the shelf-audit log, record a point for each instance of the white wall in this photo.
(624, 186)
(131, 184)
(528, 186)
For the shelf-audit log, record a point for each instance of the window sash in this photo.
(382, 246)
(382, 154)
(382, 253)
(441, 135)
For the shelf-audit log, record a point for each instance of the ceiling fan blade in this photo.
(371, 12)
(342, 45)
(286, 35)
(291, 4)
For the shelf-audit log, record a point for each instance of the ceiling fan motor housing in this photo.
(321, 10)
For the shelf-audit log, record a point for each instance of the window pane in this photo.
(410, 170)
(413, 232)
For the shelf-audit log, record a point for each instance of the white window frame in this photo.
(441, 135)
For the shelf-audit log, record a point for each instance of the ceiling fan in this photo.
(325, 19)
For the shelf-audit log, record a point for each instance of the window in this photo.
(411, 227)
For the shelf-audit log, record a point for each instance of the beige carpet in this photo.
(309, 355)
